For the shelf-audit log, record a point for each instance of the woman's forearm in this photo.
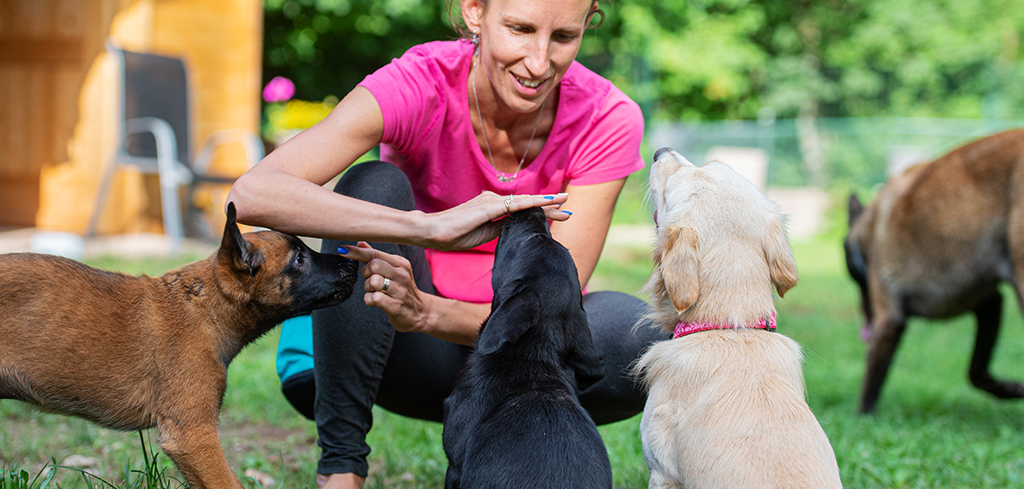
(287, 203)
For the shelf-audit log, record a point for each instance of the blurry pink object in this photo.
(278, 89)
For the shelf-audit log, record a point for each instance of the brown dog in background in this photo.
(136, 352)
(726, 405)
(936, 243)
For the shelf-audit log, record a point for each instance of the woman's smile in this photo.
(532, 84)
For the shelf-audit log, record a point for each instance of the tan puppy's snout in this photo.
(668, 155)
(658, 153)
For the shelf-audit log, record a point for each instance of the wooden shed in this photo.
(59, 87)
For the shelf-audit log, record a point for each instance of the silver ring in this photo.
(387, 283)
(508, 204)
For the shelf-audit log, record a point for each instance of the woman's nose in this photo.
(539, 57)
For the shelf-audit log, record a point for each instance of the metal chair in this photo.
(154, 137)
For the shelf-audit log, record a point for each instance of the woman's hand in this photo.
(472, 223)
(390, 285)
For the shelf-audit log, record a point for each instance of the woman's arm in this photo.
(284, 191)
(584, 235)
(409, 309)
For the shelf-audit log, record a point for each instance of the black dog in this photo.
(513, 419)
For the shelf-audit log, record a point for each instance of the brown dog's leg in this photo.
(989, 316)
(884, 340)
(195, 449)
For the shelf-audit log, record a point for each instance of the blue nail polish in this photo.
(549, 197)
(567, 212)
(343, 250)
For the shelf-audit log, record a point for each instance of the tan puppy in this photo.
(936, 243)
(726, 404)
(131, 353)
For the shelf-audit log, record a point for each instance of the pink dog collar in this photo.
(683, 329)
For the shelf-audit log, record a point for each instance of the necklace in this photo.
(476, 98)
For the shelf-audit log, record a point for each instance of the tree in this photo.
(713, 59)
(328, 46)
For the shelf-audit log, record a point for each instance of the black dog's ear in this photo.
(583, 357)
(235, 248)
(514, 316)
(854, 208)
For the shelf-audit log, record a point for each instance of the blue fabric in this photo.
(295, 348)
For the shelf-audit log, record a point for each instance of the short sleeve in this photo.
(408, 96)
(609, 148)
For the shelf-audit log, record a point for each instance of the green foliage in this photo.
(328, 46)
(712, 59)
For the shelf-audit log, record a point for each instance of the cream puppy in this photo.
(726, 405)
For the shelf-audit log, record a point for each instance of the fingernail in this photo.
(567, 212)
(343, 250)
(549, 197)
(563, 194)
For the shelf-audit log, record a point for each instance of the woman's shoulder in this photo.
(589, 91)
(446, 58)
(455, 48)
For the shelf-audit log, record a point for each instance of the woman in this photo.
(470, 131)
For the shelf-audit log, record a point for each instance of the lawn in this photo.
(932, 429)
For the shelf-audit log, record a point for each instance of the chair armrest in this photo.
(172, 172)
(250, 142)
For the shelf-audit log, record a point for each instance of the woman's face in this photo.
(526, 46)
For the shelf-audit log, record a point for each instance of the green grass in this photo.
(932, 429)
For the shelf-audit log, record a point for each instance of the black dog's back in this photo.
(513, 419)
(539, 439)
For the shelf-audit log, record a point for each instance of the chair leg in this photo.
(101, 199)
(172, 213)
(166, 154)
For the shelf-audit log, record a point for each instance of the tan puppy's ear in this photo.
(679, 267)
(781, 266)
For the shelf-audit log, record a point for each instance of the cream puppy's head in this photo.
(721, 245)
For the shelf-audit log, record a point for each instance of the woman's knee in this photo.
(613, 319)
(379, 182)
(610, 309)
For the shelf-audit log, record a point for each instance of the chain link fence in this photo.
(826, 153)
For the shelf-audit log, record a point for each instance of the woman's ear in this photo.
(595, 10)
(472, 13)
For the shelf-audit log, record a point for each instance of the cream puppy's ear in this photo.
(679, 266)
(781, 266)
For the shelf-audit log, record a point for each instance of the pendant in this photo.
(505, 179)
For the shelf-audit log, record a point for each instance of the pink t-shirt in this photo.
(428, 134)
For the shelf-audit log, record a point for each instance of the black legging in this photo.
(359, 358)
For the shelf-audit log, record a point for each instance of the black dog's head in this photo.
(537, 310)
(279, 272)
(855, 248)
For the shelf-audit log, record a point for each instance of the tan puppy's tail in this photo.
(653, 362)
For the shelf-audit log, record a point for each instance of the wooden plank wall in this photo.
(45, 49)
(58, 125)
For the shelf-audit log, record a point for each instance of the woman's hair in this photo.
(459, 25)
